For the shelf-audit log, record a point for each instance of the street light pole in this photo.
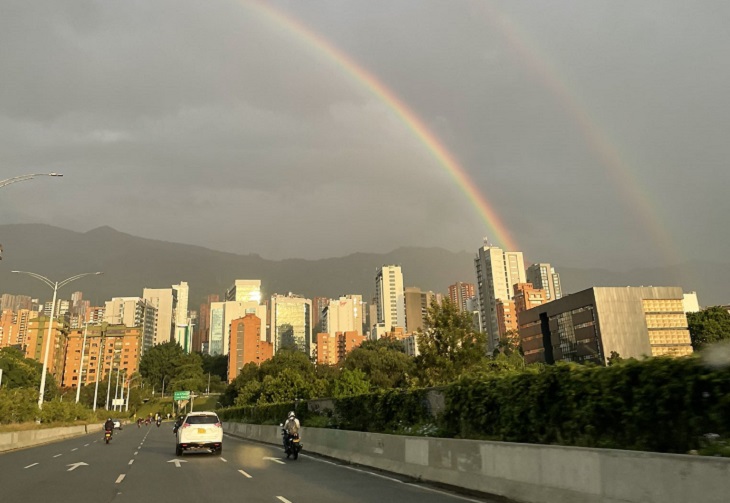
(81, 364)
(55, 285)
(99, 368)
(22, 178)
(129, 391)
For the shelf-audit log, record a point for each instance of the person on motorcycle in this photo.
(291, 427)
(109, 426)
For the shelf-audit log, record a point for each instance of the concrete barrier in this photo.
(29, 438)
(522, 472)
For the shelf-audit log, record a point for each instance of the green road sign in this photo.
(181, 395)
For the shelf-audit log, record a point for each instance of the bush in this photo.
(659, 404)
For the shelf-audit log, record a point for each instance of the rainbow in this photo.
(360, 75)
(617, 167)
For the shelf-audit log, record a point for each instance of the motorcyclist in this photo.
(178, 423)
(291, 427)
(109, 426)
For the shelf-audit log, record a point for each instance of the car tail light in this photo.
(218, 425)
(185, 425)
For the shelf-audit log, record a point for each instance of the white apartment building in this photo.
(390, 297)
(343, 315)
(163, 299)
(497, 271)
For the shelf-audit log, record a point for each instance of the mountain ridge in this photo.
(131, 263)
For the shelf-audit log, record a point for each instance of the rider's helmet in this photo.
(291, 414)
(108, 419)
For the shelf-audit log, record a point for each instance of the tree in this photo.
(708, 326)
(351, 382)
(215, 365)
(160, 363)
(383, 365)
(449, 345)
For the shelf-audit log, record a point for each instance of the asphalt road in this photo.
(139, 466)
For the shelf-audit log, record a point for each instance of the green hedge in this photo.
(658, 404)
(263, 414)
(386, 411)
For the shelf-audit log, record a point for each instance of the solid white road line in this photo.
(245, 474)
(283, 499)
(57, 455)
(131, 461)
(456, 496)
(120, 478)
(29, 466)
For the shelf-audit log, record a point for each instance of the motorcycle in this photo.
(159, 421)
(292, 444)
(107, 436)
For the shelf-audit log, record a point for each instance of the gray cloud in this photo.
(207, 123)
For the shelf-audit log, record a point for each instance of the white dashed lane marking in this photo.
(120, 478)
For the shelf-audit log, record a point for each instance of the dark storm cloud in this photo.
(191, 121)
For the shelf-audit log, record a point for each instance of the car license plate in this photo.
(201, 431)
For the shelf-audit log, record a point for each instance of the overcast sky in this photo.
(597, 130)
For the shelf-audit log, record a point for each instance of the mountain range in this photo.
(131, 263)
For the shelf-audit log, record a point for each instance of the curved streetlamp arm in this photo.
(74, 278)
(23, 178)
(39, 277)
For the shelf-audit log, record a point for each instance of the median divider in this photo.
(529, 473)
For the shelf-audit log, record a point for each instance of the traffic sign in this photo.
(181, 395)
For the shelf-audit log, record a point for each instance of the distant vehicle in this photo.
(199, 430)
(117, 424)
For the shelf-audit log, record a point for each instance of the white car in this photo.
(200, 430)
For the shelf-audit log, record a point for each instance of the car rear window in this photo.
(202, 419)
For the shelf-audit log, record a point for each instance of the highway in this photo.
(140, 466)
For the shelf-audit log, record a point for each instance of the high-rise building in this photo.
(15, 302)
(247, 345)
(496, 270)
(14, 327)
(460, 293)
(245, 290)
(331, 349)
(204, 324)
(506, 318)
(181, 305)
(389, 292)
(343, 315)
(222, 315)
(291, 323)
(35, 343)
(417, 303)
(543, 276)
(589, 326)
(133, 312)
(92, 355)
(319, 304)
(163, 299)
(526, 296)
